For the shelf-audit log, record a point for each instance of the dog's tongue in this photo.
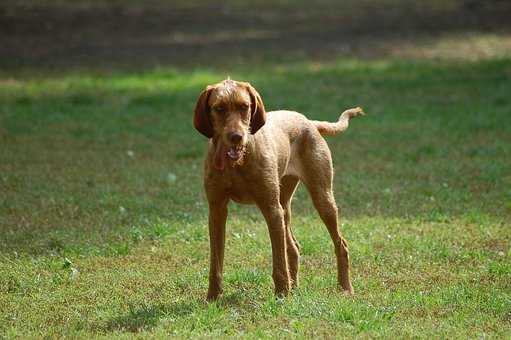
(220, 156)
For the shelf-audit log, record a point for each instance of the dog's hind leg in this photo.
(287, 188)
(317, 177)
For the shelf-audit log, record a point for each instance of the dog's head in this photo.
(229, 111)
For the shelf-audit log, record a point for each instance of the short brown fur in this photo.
(259, 157)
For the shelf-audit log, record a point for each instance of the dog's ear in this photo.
(201, 118)
(258, 113)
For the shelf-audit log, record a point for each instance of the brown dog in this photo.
(259, 157)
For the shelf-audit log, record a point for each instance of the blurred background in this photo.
(88, 33)
(96, 100)
(103, 220)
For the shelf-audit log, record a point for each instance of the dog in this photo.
(259, 157)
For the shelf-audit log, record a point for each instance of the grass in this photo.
(103, 220)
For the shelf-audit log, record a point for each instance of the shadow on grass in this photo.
(142, 318)
(147, 317)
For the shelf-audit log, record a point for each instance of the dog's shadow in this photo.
(147, 317)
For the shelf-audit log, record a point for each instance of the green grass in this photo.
(103, 220)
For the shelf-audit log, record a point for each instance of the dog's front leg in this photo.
(217, 218)
(274, 215)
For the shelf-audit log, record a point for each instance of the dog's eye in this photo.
(220, 109)
(244, 107)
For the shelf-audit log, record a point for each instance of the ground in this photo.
(102, 215)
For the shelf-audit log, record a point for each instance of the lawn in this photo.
(103, 220)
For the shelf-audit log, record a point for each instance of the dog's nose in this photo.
(235, 137)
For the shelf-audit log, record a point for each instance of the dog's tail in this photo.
(330, 129)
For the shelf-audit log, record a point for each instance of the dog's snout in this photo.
(235, 137)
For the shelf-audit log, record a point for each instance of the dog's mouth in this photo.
(232, 155)
(235, 152)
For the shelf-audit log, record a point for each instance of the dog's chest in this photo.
(237, 187)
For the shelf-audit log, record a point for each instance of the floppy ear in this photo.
(258, 117)
(201, 119)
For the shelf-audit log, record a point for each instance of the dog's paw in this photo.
(348, 291)
(282, 289)
(213, 295)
